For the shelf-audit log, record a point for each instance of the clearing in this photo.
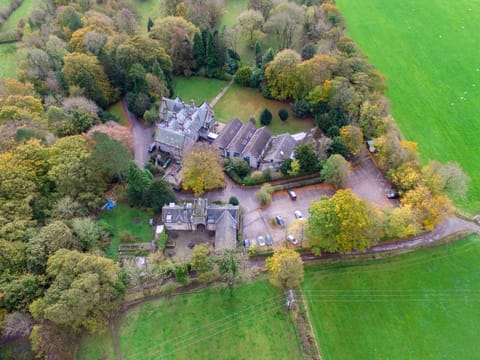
(245, 103)
(429, 52)
(249, 321)
(124, 218)
(421, 305)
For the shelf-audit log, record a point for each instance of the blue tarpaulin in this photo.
(110, 205)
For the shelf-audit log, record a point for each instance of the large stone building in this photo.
(198, 215)
(181, 125)
(258, 147)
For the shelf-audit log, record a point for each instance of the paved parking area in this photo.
(261, 221)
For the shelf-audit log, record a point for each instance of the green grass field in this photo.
(198, 88)
(212, 323)
(422, 305)
(232, 9)
(125, 218)
(429, 52)
(10, 58)
(245, 103)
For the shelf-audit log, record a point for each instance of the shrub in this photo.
(264, 195)
(243, 75)
(266, 117)
(233, 201)
(283, 114)
(301, 108)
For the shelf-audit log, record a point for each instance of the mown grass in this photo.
(23, 11)
(124, 218)
(429, 52)
(232, 9)
(98, 346)
(246, 103)
(10, 58)
(146, 9)
(199, 89)
(421, 305)
(248, 322)
(117, 110)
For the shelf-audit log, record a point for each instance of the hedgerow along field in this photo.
(421, 305)
(213, 323)
(428, 50)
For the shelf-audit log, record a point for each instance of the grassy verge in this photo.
(117, 110)
(420, 305)
(245, 103)
(199, 89)
(434, 92)
(123, 218)
(212, 323)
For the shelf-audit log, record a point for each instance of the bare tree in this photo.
(285, 23)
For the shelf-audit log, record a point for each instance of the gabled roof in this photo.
(215, 212)
(169, 137)
(258, 142)
(281, 147)
(226, 232)
(243, 136)
(228, 133)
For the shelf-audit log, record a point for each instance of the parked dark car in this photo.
(280, 220)
(167, 163)
(152, 147)
(292, 194)
(393, 195)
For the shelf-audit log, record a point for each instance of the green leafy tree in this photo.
(138, 183)
(286, 166)
(336, 171)
(233, 201)
(264, 194)
(159, 193)
(110, 157)
(342, 223)
(266, 117)
(307, 158)
(258, 54)
(229, 267)
(286, 269)
(301, 108)
(243, 75)
(56, 235)
(281, 76)
(202, 261)
(85, 289)
(19, 293)
(198, 50)
(88, 232)
(73, 172)
(283, 114)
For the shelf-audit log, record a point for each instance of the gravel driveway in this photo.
(142, 137)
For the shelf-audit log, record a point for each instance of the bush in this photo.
(243, 75)
(233, 201)
(264, 195)
(301, 108)
(283, 114)
(266, 117)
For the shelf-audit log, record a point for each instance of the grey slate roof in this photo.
(169, 137)
(228, 133)
(214, 212)
(281, 147)
(241, 139)
(226, 233)
(258, 142)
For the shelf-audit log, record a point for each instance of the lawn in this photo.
(146, 9)
(22, 12)
(10, 58)
(117, 110)
(429, 51)
(198, 88)
(422, 305)
(232, 9)
(213, 323)
(123, 218)
(245, 103)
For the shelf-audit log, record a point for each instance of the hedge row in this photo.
(5, 13)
